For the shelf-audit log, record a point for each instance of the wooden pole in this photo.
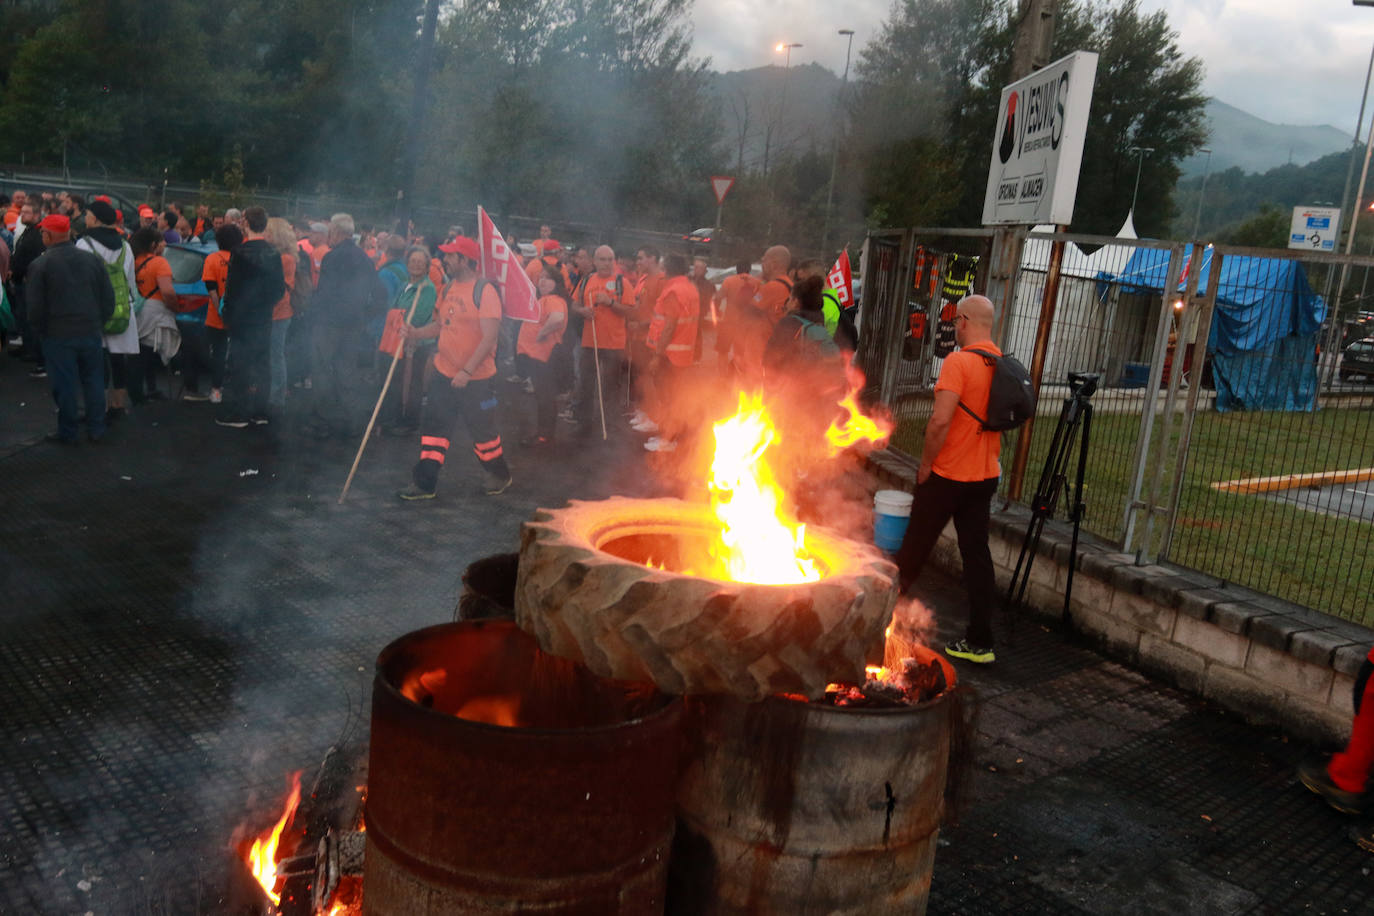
(367, 434)
(596, 355)
(1048, 302)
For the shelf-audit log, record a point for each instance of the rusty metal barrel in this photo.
(787, 807)
(566, 808)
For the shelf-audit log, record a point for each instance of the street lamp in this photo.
(1202, 193)
(1142, 150)
(835, 151)
(781, 47)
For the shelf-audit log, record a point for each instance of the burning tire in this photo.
(585, 592)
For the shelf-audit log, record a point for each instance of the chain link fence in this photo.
(1231, 428)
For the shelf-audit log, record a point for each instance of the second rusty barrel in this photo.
(788, 807)
(503, 780)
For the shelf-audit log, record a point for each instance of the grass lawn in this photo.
(1255, 541)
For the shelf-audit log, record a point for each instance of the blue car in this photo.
(188, 265)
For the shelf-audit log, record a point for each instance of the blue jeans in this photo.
(276, 397)
(77, 365)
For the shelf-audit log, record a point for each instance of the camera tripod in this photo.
(1075, 417)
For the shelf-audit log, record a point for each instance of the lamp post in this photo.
(1197, 220)
(1140, 164)
(835, 151)
(781, 48)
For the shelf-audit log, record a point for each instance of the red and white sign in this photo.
(519, 299)
(841, 280)
(721, 185)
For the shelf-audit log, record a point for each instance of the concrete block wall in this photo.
(1272, 661)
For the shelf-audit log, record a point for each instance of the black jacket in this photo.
(255, 277)
(68, 292)
(350, 292)
(27, 249)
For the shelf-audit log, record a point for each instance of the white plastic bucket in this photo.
(891, 512)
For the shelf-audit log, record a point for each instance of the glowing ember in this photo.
(758, 543)
(262, 858)
(498, 710)
(420, 688)
(859, 427)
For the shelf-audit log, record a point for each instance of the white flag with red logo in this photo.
(519, 298)
(841, 280)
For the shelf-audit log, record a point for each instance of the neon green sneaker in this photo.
(413, 492)
(970, 653)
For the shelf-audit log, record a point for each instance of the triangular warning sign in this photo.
(721, 185)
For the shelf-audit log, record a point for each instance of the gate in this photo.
(1208, 435)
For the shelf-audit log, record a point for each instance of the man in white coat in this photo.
(104, 240)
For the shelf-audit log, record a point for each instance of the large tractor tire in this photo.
(689, 634)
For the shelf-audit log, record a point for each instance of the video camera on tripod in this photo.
(1076, 415)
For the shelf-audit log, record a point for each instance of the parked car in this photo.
(1358, 360)
(702, 236)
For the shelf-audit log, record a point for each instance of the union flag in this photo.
(519, 298)
(841, 280)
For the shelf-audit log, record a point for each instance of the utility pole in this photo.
(1030, 50)
(410, 155)
(1034, 41)
(835, 150)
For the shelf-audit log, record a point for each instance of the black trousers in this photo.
(337, 385)
(475, 404)
(545, 378)
(969, 504)
(217, 341)
(247, 376)
(612, 368)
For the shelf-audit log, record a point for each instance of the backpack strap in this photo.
(991, 360)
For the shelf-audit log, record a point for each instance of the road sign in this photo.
(721, 185)
(1315, 228)
(1038, 145)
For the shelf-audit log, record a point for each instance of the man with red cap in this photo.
(467, 322)
(146, 216)
(69, 299)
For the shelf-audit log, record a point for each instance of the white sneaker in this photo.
(639, 416)
(659, 444)
(647, 426)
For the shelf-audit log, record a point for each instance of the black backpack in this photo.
(1011, 398)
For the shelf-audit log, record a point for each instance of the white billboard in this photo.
(1038, 146)
(1315, 228)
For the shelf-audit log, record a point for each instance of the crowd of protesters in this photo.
(314, 311)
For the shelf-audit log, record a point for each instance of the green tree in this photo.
(1266, 229)
(936, 72)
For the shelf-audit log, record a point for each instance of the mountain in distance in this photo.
(785, 109)
(755, 108)
(1255, 145)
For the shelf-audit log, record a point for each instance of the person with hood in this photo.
(69, 299)
(255, 276)
(105, 241)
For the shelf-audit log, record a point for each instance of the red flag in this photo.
(841, 280)
(519, 298)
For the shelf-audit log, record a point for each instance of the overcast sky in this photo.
(1287, 61)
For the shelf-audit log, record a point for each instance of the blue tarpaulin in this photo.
(1264, 333)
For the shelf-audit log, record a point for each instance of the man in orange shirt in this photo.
(605, 302)
(647, 291)
(958, 476)
(762, 314)
(467, 320)
(735, 294)
(671, 335)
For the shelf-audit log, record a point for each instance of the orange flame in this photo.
(498, 710)
(262, 858)
(758, 542)
(859, 427)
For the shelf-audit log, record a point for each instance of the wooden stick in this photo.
(596, 355)
(367, 434)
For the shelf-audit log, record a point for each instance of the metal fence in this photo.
(1251, 463)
